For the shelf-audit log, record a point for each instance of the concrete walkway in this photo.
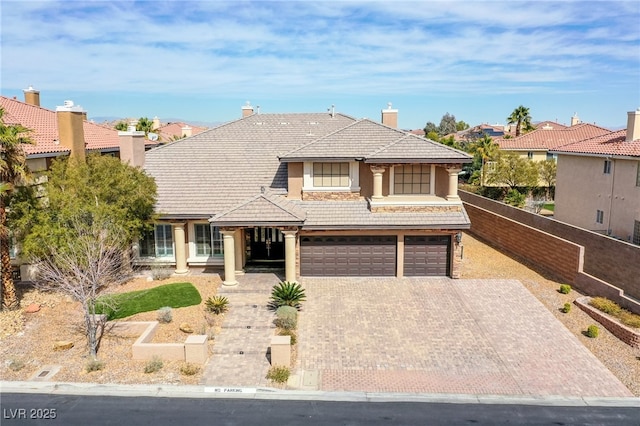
(240, 350)
(438, 335)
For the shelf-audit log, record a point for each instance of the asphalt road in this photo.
(47, 409)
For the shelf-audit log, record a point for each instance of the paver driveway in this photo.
(438, 335)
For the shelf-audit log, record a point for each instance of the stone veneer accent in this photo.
(415, 209)
(330, 196)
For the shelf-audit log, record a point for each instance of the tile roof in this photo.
(216, 170)
(262, 210)
(611, 144)
(543, 139)
(172, 130)
(550, 125)
(44, 124)
(411, 148)
(356, 215)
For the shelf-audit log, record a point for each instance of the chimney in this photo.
(575, 120)
(247, 110)
(633, 125)
(132, 146)
(186, 131)
(32, 96)
(156, 123)
(70, 129)
(390, 116)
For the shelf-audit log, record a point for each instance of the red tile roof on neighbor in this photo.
(550, 125)
(547, 139)
(44, 126)
(613, 143)
(170, 131)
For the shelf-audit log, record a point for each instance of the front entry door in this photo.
(267, 245)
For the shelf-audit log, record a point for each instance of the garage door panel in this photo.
(348, 256)
(426, 255)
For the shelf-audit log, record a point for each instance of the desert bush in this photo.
(153, 365)
(286, 317)
(165, 315)
(592, 331)
(567, 308)
(289, 332)
(217, 304)
(161, 272)
(278, 374)
(287, 293)
(630, 319)
(605, 305)
(16, 365)
(94, 365)
(565, 288)
(189, 369)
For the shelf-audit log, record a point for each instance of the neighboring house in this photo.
(66, 131)
(598, 182)
(173, 131)
(536, 145)
(322, 194)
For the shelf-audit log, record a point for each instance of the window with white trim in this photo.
(157, 242)
(599, 216)
(331, 175)
(412, 179)
(607, 167)
(208, 240)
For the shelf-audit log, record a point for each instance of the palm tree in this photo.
(13, 172)
(486, 149)
(521, 117)
(144, 125)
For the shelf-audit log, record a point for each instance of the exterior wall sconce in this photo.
(458, 237)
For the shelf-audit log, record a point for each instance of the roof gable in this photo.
(414, 149)
(261, 209)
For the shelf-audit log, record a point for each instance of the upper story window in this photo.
(530, 155)
(599, 216)
(331, 174)
(607, 167)
(208, 240)
(553, 157)
(157, 242)
(412, 179)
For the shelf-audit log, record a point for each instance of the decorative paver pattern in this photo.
(442, 335)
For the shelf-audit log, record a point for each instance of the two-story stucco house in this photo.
(322, 194)
(598, 182)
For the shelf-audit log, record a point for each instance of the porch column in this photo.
(229, 257)
(237, 242)
(181, 255)
(452, 193)
(290, 255)
(377, 181)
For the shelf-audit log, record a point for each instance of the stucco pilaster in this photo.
(377, 181)
(181, 253)
(452, 193)
(290, 255)
(238, 252)
(229, 257)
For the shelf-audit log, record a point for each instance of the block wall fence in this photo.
(593, 263)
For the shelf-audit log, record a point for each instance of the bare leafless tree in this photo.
(86, 266)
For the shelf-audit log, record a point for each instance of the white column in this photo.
(452, 193)
(290, 255)
(229, 257)
(237, 241)
(377, 181)
(181, 256)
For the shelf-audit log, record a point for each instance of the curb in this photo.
(184, 391)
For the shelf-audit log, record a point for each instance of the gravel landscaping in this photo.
(28, 338)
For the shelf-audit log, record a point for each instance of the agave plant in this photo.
(287, 294)
(217, 304)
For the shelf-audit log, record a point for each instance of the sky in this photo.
(202, 61)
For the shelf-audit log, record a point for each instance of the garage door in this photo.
(426, 256)
(347, 256)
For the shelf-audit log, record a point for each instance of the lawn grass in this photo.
(123, 305)
(549, 206)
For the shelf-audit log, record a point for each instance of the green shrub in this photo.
(153, 365)
(567, 308)
(630, 319)
(278, 374)
(287, 294)
(217, 305)
(605, 305)
(165, 315)
(94, 365)
(515, 198)
(592, 331)
(286, 317)
(565, 288)
(189, 369)
(289, 332)
(161, 272)
(16, 365)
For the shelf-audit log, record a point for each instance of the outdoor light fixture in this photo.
(458, 237)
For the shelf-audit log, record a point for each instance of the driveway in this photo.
(438, 335)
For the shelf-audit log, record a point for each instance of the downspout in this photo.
(613, 180)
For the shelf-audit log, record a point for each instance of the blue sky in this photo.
(202, 61)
